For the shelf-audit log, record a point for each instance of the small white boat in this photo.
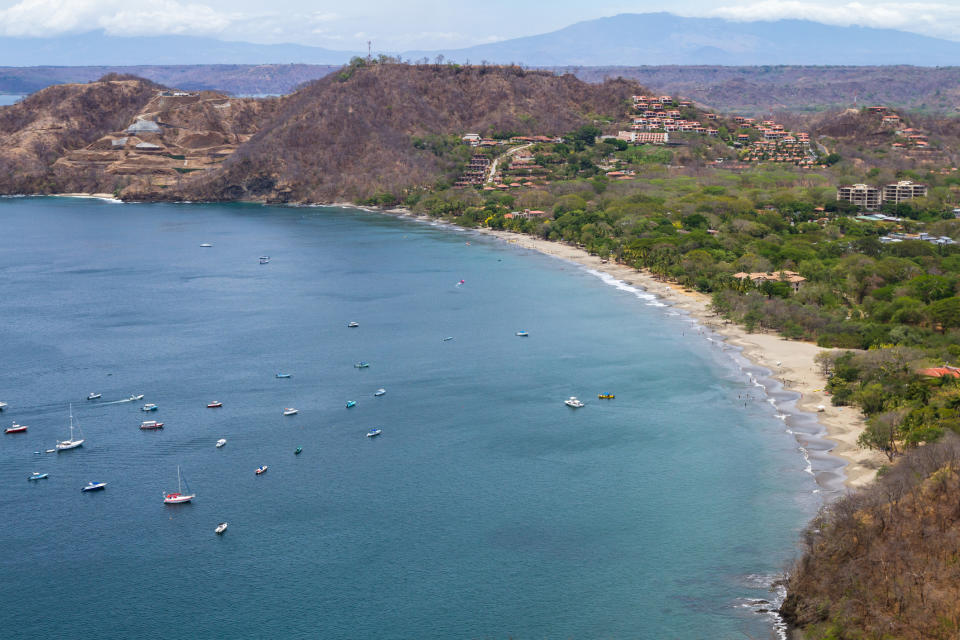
(261, 470)
(149, 407)
(523, 334)
(221, 442)
(353, 325)
(38, 476)
(148, 425)
(94, 486)
(94, 396)
(178, 496)
(448, 339)
(264, 259)
(573, 402)
(3, 405)
(290, 411)
(136, 397)
(379, 392)
(205, 245)
(373, 433)
(221, 528)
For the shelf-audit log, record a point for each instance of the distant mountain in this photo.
(663, 38)
(624, 40)
(96, 48)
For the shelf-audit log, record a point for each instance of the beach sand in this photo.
(790, 361)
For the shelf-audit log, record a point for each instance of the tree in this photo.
(946, 313)
(881, 433)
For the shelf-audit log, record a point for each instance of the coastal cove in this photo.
(485, 508)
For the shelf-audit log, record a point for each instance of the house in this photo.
(143, 126)
(939, 372)
(472, 139)
(791, 277)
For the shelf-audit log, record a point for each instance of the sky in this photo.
(430, 24)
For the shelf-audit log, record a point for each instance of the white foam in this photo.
(642, 294)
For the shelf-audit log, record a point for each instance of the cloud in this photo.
(929, 18)
(117, 17)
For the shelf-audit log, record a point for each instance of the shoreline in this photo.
(790, 362)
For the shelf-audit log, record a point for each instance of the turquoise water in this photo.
(486, 509)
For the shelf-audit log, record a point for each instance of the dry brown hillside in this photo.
(44, 126)
(884, 562)
(175, 135)
(384, 128)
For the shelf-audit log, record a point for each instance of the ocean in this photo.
(485, 509)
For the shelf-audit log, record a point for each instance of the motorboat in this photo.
(284, 375)
(135, 397)
(373, 433)
(264, 259)
(290, 411)
(3, 405)
(178, 496)
(147, 425)
(16, 428)
(216, 404)
(351, 404)
(94, 486)
(51, 451)
(573, 402)
(362, 365)
(353, 325)
(149, 407)
(63, 445)
(38, 476)
(220, 528)
(298, 451)
(448, 339)
(221, 442)
(94, 396)
(206, 245)
(523, 334)
(605, 396)
(261, 470)
(379, 392)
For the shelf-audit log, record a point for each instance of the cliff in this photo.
(883, 562)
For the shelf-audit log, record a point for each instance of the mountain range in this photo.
(626, 39)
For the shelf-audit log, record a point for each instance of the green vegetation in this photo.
(894, 305)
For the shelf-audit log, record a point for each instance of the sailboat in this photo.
(178, 497)
(63, 445)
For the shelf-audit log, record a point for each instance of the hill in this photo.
(663, 38)
(239, 79)
(764, 89)
(38, 130)
(388, 128)
(882, 563)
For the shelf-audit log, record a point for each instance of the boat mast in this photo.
(71, 422)
(179, 490)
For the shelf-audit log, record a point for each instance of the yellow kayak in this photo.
(605, 396)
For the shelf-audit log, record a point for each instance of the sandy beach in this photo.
(790, 361)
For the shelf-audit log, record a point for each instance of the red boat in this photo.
(16, 428)
(214, 405)
(151, 424)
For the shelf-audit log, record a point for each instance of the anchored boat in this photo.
(178, 497)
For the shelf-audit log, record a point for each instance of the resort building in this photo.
(903, 190)
(864, 196)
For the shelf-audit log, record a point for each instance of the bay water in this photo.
(486, 509)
